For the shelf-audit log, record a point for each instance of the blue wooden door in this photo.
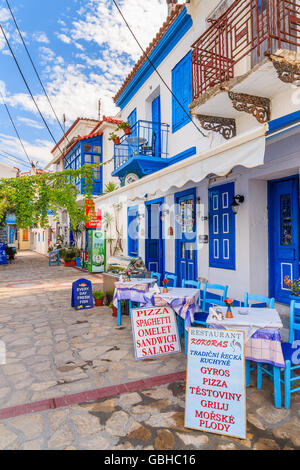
(156, 127)
(154, 238)
(186, 243)
(132, 118)
(283, 235)
(133, 231)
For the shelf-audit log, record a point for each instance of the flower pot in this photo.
(127, 130)
(99, 302)
(116, 141)
(229, 313)
(70, 264)
(165, 290)
(114, 312)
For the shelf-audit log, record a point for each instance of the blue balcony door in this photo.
(133, 231)
(132, 118)
(186, 241)
(283, 235)
(156, 127)
(154, 246)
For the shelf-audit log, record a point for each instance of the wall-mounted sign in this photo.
(82, 294)
(155, 332)
(94, 218)
(215, 385)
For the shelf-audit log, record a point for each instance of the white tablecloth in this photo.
(257, 318)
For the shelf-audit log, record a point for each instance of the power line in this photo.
(34, 68)
(27, 86)
(151, 63)
(13, 156)
(14, 161)
(14, 126)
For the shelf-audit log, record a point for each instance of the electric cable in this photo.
(34, 68)
(15, 128)
(158, 73)
(28, 88)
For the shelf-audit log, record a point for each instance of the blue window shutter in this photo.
(132, 224)
(182, 89)
(221, 227)
(132, 118)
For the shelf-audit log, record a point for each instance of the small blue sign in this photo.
(82, 294)
(3, 255)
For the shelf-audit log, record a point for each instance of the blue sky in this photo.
(82, 50)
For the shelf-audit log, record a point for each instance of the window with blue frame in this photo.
(90, 152)
(133, 229)
(182, 89)
(132, 118)
(221, 227)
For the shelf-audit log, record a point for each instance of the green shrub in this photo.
(98, 294)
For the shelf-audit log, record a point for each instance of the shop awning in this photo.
(247, 150)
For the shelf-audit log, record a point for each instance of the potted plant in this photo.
(229, 303)
(127, 276)
(125, 126)
(69, 258)
(98, 297)
(115, 138)
(165, 284)
(294, 287)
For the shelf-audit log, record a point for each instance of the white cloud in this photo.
(75, 88)
(39, 150)
(40, 36)
(4, 15)
(30, 122)
(64, 38)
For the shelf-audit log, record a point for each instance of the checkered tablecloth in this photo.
(262, 328)
(184, 302)
(133, 290)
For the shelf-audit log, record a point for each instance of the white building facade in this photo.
(214, 197)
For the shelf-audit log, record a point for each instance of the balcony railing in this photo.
(248, 28)
(146, 139)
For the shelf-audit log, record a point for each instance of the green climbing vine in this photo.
(31, 197)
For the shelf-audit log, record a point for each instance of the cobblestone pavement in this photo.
(148, 419)
(54, 351)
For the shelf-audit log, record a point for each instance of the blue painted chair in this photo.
(261, 299)
(171, 277)
(156, 276)
(201, 317)
(54, 259)
(291, 360)
(262, 303)
(192, 284)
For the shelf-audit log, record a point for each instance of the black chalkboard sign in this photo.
(82, 294)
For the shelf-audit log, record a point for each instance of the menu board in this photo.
(215, 385)
(82, 294)
(3, 255)
(155, 332)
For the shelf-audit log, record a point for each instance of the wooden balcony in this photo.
(247, 33)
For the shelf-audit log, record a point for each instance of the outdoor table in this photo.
(133, 291)
(184, 301)
(262, 336)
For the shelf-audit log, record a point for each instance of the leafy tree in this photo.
(31, 197)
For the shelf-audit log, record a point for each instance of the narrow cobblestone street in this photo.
(54, 351)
